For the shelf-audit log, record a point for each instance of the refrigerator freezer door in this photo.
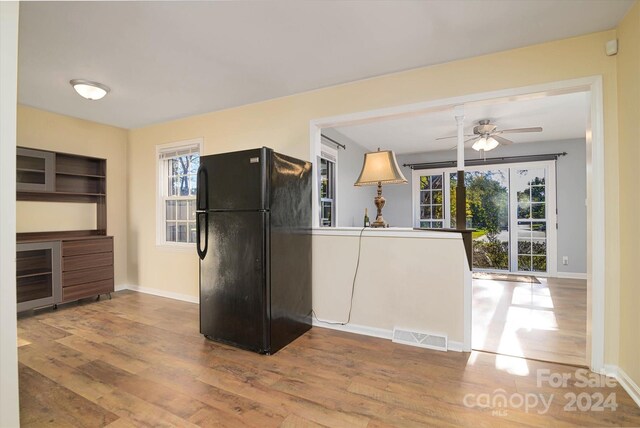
(234, 181)
(233, 280)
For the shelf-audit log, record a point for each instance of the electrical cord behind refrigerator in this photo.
(353, 286)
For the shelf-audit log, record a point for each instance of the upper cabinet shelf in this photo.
(80, 165)
(43, 175)
(79, 175)
(62, 177)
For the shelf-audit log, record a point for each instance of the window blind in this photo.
(176, 152)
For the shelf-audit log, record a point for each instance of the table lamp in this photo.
(378, 168)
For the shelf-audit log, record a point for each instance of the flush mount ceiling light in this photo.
(88, 89)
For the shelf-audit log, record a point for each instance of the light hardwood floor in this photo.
(138, 360)
(546, 321)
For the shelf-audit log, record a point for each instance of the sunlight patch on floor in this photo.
(512, 365)
(528, 320)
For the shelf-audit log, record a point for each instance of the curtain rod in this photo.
(487, 161)
(342, 146)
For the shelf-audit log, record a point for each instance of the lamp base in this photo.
(379, 202)
(379, 222)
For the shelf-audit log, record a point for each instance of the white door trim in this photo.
(550, 214)
(9, 405)
(595, 178)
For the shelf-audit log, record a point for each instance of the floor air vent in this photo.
(423, 340)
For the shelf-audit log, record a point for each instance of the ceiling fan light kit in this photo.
(486, 136)
(485, 143)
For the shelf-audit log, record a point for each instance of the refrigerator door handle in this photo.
(202, 252)
(202, 192)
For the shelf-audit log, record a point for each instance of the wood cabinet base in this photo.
(80, 291)
(87, 267)
(73, 268)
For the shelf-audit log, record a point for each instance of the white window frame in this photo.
(415, 190)
(161, 178)
(331, 154)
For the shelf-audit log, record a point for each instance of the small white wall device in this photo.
(612, 47)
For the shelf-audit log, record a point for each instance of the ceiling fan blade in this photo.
(453, 136)
(514, 130)
(502, 140)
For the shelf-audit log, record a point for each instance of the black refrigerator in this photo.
(254, 242)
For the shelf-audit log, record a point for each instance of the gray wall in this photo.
(571, 194)
(352, 200)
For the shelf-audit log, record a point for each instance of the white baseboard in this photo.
(455, 346)
(625, 381)
(374, 332)
(350, 328)
(160, 293)
(357, 329)
(571, 275)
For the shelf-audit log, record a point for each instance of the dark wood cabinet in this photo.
(63, 266)
(38, 274)
(64, 270)
(87, 267)
(62, 177)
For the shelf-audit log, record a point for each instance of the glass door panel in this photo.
(488, 213)
(529, 186)
(432, 201)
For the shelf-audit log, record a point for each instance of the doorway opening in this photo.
(522, 305)
(521, 242)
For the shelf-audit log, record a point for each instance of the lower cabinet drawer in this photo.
(86, 261)
(89, 289)
(87, 275)
(87, 246)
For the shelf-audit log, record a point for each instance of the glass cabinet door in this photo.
(35, 171)
(37, 275)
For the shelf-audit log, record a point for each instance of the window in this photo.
(328, 186)
(177, 180)
(431, 202)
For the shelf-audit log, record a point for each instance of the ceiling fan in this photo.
(486, 136)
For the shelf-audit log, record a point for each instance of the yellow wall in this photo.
(54, 216)
(629, 130)
(283, 124)
(50, 131)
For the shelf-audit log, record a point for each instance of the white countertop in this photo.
(386, 232)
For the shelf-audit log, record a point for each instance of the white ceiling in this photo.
(165, 60)
(561, 117)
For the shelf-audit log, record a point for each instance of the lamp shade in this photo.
(380, 167)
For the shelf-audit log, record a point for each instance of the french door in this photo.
(510, 206)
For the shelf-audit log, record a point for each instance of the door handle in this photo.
(202, 192)
(202, 252)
